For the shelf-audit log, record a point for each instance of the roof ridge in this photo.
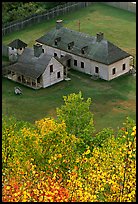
(103, 52)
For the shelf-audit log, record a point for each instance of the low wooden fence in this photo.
(48, 15)
(129, 6)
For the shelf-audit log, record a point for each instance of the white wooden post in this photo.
(36, 82)
(31, 82)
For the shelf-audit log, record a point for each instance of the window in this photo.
(69, 47)
(39, 79)
(69, 62)
(42, 50)
(20, 48)
(58, 75)
(75, 62)
(82, 64)
(55, 42)
(113, 71)
(82, 51)
(51, 68)
(55, 54)
(123, 66)
(12, 48)
(96, 70)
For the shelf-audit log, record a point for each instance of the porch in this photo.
(24, 80)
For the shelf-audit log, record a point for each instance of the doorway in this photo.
(69, 62)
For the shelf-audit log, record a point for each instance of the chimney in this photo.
(37, 50)
(59, 24)
(100, 36)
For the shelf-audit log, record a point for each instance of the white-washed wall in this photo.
(118, 65)
(89, 65)
(12, 51)
(20, 51)
(13, 54)
(51, 78)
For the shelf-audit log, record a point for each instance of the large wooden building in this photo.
(93, 55)
(36, 69)
(62, 49)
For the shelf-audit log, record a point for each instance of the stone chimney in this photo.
(59, 24)
(100, 36)
(37, 50)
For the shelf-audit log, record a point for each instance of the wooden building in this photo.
(36, 69)
(93, 55)
(16, 48)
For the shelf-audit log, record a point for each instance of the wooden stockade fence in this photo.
(129, 6)
(5, 50)
(48, 15)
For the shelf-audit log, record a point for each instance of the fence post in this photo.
(52, 13)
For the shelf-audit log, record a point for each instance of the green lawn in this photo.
(111, 101)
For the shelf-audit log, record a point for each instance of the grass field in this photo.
(111, 101)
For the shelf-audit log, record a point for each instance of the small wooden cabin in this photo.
(16, 47)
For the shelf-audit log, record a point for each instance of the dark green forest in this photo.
(12, 11)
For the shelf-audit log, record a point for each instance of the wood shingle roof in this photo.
(29, 65)
(104, 51)
(17, 44)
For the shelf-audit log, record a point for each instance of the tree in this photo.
(77, 116)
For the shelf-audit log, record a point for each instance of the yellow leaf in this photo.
(60, 155)
(54, 174)
(87, 152)
(40, 198)
(129, 195)
(134, 128)
(24, 200)
(28, 194)
(77, 160)
(130, 143)
(49, 161)
(129, 152)
(8, 187)
(94, 196)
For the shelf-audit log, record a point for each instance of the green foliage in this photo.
(8, 126)
(42, 161)
(11, 140)
(77, 116)
(19, 10)
(101, 136)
